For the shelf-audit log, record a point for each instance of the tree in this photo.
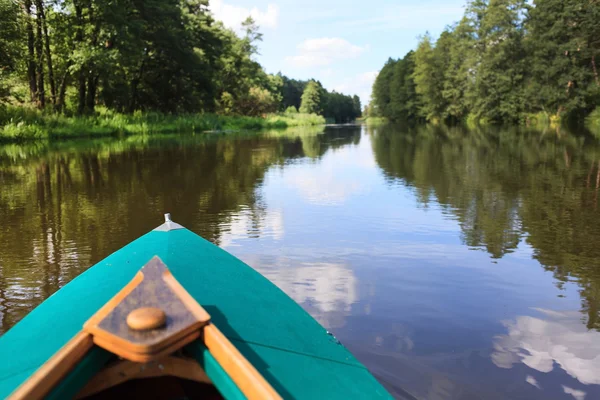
(381, 89)
(356, 107)
(564, 46)
(10, 42)
(311, 98)
(504, 60)
(459, 74)
(430, 65)
(291, 92)
(128, 55)
(500, 72)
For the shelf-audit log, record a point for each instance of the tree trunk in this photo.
(93, 76)
(81, 89)
(42, 14)
(63, 88)
(91, 93)
(595, 70)
(134, 87)
(39, 51)
(31, 52)
(79, 40)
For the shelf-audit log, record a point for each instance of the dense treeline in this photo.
(506, 61)
(312, 98)
(169, 56)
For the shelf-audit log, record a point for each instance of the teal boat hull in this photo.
(292, 351)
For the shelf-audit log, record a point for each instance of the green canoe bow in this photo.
(295, 354)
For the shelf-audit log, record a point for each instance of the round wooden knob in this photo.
(146, 318)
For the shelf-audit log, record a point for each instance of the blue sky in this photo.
(342, 43)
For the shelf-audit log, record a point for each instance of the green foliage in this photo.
(10, 43)
(164, 56)
(340, 108)
(311, 99)
(563, 78)
(394, 92)
(21, 124)
(593, 122)
(10, 34)
(376, 121)
(505, 61)
(296, 119)
(500, 73)
(291, 92)
(429, 77)
(356, 106)
(291, 110)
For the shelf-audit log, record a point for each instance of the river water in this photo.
(453, 264)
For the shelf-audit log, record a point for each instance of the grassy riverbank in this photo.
(375, 120)
(22, 124)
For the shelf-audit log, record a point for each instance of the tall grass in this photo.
(375, 120)
(19, 123)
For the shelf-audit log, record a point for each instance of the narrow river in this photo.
(453, 264)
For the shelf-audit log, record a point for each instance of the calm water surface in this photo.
(454, 265)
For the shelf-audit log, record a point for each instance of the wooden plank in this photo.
(55, 369)
(123, 371)
(190, 303)
(245, 376)
(116, 348)
(154, 287)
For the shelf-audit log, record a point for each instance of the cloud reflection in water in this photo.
(559, 339)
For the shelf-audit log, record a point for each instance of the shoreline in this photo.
(19, 125)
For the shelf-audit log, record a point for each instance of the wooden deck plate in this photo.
(153, 286)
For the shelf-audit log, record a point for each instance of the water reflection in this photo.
(373, 232)
(506, 186)
(326, 290)
(65, 206)
(557, 340)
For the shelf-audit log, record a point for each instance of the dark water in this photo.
(454, 265)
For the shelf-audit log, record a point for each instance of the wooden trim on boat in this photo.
(112, 303)
(157, 290)
(190, 303)
(55, 369)
(123, 371)
(117, 348)
(153, 288)
(243, 374)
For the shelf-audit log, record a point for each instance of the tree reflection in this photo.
(504, 186)
(65, 206)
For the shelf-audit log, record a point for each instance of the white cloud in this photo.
(561, 340)
(323, 189)
(532, 381)
(270, 225)
(326, 290)
(323, 51)
(405, 17)
(233, 16)
(326, 73)
(577, 394)
(360, 84)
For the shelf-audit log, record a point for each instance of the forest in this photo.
(74, 58)
(504, 62)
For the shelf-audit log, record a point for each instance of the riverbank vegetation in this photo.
(107, 67)
(505, 61)
(19, 124)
